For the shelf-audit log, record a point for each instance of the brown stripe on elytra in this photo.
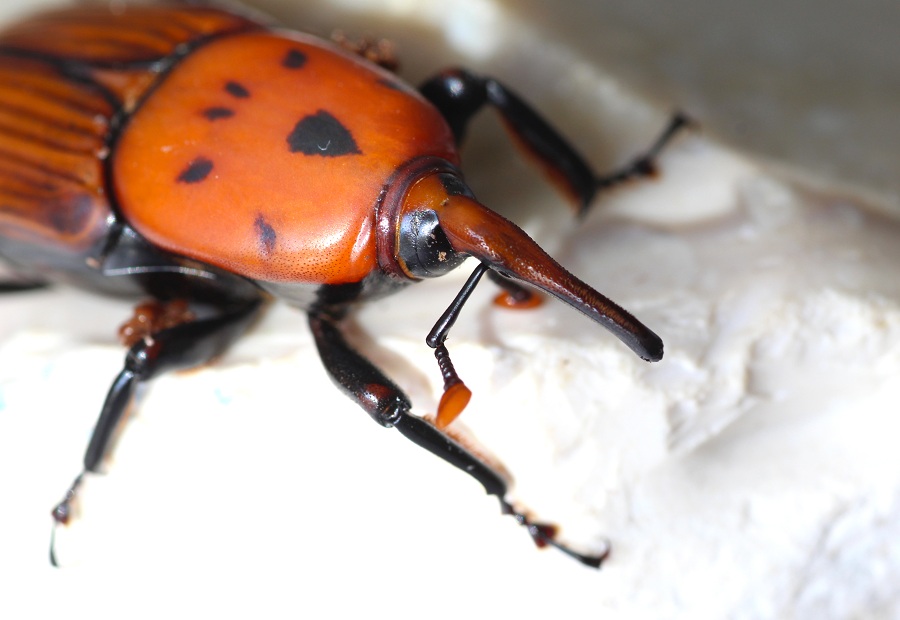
(88, 146)
(26, 192)
(32, 183)
(25, 175)
(294, 59)
(237, 90)
(64, 125)
(266, 235)
(43, 168)
(140, 33)
(217, 112)
(96, 34)
(87, 40)
(166, 32)
(322, 134)
(110, 45)
(44, 87)
(134, 35)
(196, 171)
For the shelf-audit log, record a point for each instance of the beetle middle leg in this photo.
(18, 286)
(188, 344)
(390, 407)
(459, 94)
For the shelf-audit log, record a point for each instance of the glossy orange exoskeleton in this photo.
(205, 161)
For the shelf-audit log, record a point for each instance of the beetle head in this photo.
(434, 223)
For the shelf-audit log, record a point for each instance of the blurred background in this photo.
(808, 82)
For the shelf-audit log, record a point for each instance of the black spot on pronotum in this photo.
(322, 134)
(294, 59)
(266, 234)
(216, 113)
(196, 171)
(236, 90)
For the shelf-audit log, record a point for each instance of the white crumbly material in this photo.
(753, 473)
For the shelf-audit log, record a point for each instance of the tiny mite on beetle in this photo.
(195, 158)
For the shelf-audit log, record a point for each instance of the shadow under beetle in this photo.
(199, 158)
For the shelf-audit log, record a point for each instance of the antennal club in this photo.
(456, 395)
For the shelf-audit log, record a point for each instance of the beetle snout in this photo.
(438, 224)
(474, 230)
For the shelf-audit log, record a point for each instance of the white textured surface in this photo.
(751, 474)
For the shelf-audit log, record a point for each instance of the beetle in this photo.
(209, 162)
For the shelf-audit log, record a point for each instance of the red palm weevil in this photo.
(204, 161)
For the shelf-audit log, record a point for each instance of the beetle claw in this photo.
(544, 535)
(645, 165)
(62, 513)
(54, 562)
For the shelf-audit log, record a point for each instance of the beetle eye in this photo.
(454, 186)
(423, 246)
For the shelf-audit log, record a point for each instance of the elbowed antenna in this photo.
(477, 231)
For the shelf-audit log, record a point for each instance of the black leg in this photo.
(459, 94)
(17, 286)
(182, 346)
(390, 407)
(644, 165)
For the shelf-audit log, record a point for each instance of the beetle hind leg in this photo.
(189, 343)
(459, 94)
(390, 407)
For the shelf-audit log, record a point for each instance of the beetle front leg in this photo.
(390, 407)
(459, 94)
(186, 345)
